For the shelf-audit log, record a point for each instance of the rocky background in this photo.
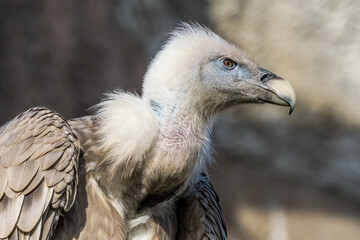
(278, 177)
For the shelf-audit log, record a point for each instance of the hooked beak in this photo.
(281, 91)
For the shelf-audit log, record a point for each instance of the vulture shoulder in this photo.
(199, 213)
(38, 173)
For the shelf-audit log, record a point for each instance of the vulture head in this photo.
(199, 71)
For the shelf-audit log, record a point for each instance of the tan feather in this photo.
(18, 150)
(10, 193)
(70, 201)
(70, 166)
(50, 158)
(34, 183)
(48, 221)
(59, 187)
(33, 208)
(69, 177)
(22, 175)
(6, 156)
(38, 149)
(61, 165)
(53, 177)
(49, 196)
(56, 203)
(3, 181)
(39, 129)
(14, 235)
(13, 137)
(36, 232)
(9, 212)
(63, 143)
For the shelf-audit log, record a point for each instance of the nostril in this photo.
(266, 77)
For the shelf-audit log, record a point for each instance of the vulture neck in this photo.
(181, 128)
(183, 142)
(178, 150)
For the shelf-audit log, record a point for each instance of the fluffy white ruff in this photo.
(128, 127)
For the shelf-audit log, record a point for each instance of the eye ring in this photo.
(228, 63)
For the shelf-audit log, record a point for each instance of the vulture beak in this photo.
(281, 91)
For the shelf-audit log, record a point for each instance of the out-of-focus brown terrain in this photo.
(278, 177)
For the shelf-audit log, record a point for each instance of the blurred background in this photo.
(278, 177)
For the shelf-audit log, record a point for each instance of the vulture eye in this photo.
(228, 64)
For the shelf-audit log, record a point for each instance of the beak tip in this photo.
(291, 109)
(291, 103)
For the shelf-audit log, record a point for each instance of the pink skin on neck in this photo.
(179, 132)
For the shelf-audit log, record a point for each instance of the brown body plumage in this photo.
(137, 168)
(38, 174)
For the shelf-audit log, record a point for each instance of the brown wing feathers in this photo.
(199, 213)
(214, 222)
(38, 173)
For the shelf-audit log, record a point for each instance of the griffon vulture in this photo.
(136, 169)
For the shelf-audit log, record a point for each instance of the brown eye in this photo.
(229, 64)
